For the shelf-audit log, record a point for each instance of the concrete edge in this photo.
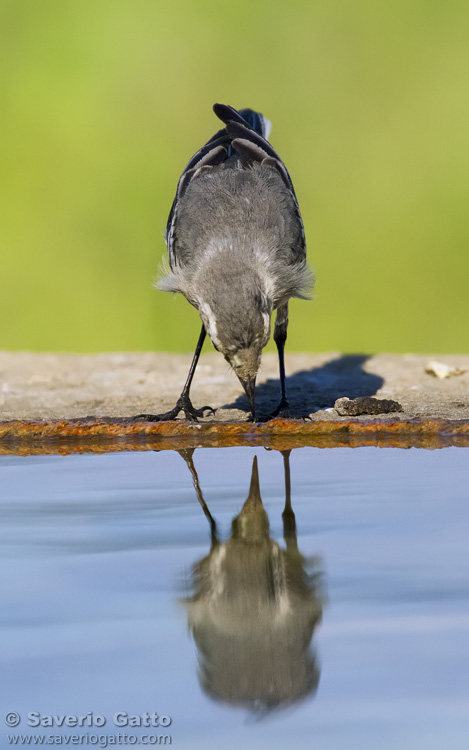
(21, 437)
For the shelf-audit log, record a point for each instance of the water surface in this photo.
(105, 610)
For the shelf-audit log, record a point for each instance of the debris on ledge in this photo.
(441, 370)
(353, 407)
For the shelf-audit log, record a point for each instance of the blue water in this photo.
(96, 571)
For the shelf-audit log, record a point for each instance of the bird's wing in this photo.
(213, 152)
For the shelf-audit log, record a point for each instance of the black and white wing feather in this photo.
(214, 152)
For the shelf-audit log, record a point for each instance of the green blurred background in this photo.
(104, 101)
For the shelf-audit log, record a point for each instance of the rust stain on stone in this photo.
(114, 434)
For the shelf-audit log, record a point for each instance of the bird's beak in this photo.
(249, 385)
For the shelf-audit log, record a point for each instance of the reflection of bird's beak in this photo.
(254, 496)
(249, 385)
(253, 523)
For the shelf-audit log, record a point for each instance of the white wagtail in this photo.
(237, 251)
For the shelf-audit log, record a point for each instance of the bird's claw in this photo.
(193, 414)
(252, 418)
(183, 404)
(282, 411)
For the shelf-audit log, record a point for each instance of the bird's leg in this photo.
(183, 403)
(280, 336)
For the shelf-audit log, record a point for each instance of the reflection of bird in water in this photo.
(255, 609)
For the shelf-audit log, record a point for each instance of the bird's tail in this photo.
(246, 117)
(257, 122)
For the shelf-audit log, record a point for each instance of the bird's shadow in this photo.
(312, 390)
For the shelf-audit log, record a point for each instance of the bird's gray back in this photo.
(245, 212)
(235, 227)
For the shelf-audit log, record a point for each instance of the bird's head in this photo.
(239, 333)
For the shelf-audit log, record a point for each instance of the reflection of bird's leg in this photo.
(187, 454)
(288, 516)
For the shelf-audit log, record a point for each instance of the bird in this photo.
(236, 251)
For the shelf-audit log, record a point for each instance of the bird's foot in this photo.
(183, 404)
(281, 412)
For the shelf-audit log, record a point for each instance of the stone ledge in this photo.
(92, 396)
